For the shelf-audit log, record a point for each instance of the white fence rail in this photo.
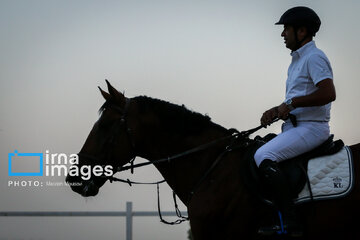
(129, 214)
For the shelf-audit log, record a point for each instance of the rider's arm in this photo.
(323, 95)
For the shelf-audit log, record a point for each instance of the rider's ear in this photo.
(119, 97)
(105, 94)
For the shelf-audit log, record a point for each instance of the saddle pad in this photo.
(330, 177)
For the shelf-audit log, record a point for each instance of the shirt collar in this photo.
(304, 49)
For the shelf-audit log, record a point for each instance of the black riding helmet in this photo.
(301, 16)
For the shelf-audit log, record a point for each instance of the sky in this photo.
(223, 58)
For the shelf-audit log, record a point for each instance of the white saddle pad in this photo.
(330, 177)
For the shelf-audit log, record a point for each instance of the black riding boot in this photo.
(275, 180)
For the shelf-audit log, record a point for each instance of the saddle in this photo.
(295, 169)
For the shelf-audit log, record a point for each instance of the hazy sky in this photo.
(221, 58)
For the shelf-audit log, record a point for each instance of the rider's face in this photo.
(289, 37)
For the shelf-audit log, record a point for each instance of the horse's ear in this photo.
(105, 94)
(119, 97)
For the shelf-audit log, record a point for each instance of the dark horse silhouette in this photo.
(221, 207)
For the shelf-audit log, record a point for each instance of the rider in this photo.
(309, 93)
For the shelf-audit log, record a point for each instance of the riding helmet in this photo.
(301, 16)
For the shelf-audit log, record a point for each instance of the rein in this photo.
(183, 154)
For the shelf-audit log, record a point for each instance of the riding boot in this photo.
(277, 183)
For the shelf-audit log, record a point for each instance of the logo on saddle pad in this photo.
(337, 182)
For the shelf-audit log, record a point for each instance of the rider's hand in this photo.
(283, 111)
(269, 116)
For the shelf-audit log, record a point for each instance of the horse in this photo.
(219, 204)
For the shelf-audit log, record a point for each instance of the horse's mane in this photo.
(175, 117)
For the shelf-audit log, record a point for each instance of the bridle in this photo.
(111, 140)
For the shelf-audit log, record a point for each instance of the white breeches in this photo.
(293, 141)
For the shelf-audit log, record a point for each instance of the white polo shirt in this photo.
(308, 67)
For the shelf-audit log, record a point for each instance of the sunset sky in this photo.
(222, 58)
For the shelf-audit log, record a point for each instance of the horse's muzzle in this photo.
(84, 188)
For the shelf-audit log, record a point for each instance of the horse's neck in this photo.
(183, 173)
